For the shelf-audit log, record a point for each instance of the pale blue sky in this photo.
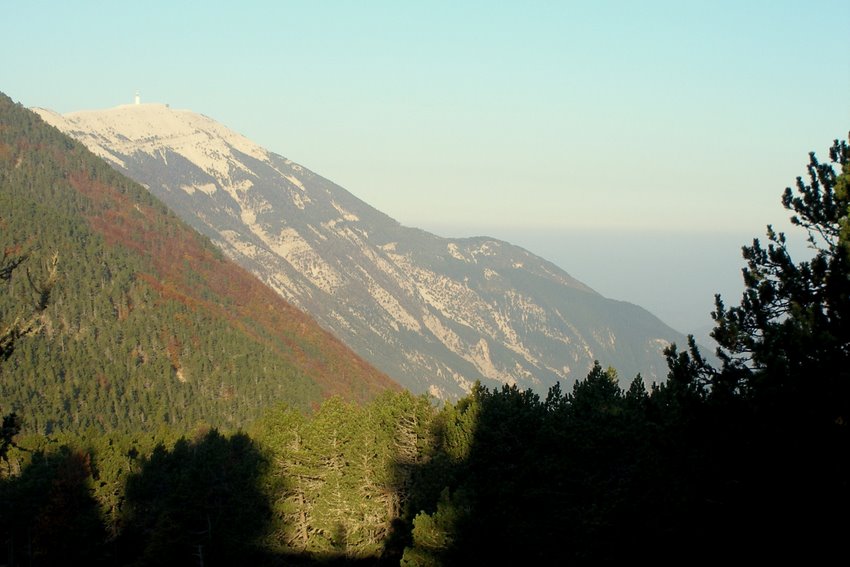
(470, 117)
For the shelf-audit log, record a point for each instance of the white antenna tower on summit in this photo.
(138, 98)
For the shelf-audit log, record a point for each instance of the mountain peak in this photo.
(149, 323)
(436, 314)
(152, 128)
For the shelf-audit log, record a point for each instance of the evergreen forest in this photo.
(137, 320)
(151, 418)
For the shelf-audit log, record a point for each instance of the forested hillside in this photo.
(745, 461)
(146, 324)
(435, 313)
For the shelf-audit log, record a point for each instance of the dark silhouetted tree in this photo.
(47, 513)
(771, 426)
(199, 503)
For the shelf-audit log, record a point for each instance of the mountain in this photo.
(148, 323)
(434, 313)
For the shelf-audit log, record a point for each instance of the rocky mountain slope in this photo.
(147, 324)
(434, 313)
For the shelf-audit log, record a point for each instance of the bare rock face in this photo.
(436, 314)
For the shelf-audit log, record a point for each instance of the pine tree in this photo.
(788, 342)
(771, 426)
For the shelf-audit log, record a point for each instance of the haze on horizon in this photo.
(649, 128)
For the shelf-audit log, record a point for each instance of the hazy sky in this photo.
(470, 117)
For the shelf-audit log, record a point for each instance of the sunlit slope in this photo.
(434, 313)
(149, 323)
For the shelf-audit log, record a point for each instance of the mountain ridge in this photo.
(149, 322)
(435, 313)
